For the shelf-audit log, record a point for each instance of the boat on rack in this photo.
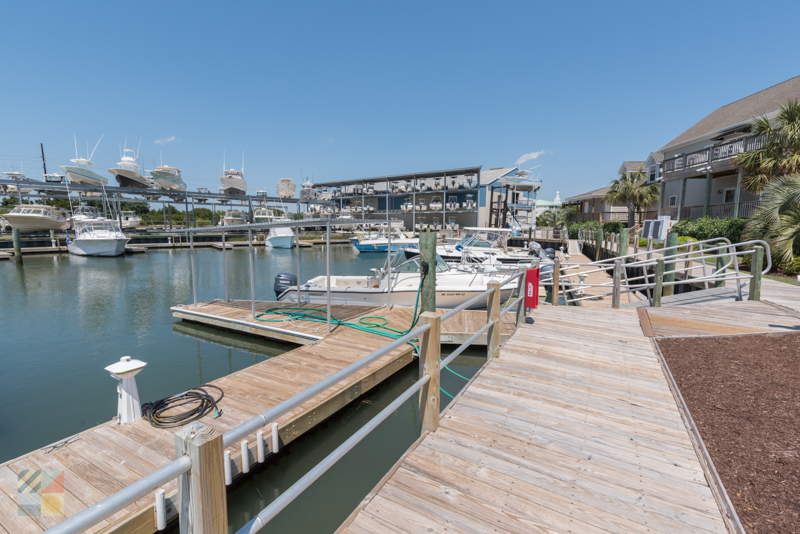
(97, 237)
(80, 172)
(128, 172)
(233, 182)
(453, 286)
(233, 217)
(130, 220)
(168, 178)
(29, 218)
(84, 213)
(379, 242)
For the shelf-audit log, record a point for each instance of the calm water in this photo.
(64, 318)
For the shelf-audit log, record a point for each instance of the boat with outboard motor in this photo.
(29, 218)
(484, 243)
(379, 242)
(97, 237)
(453, 286)
(128, 172)
(80, 173)
(129, 220)
(168, 178)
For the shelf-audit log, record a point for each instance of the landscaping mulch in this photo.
(744, 395)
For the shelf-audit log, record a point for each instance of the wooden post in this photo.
(707, 201)
(522, 311)
(203, 503)
(736, 194)
(623, 242)
(599, 248)
(721, 269)
(669, 268)
(556, 280)
(493, 314)
(756, 266)
(429, 357)
(615, 300)
(17, 246)
(427, 248)
(659, 283)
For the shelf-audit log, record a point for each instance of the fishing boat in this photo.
(277, 237)
(168, 178)
(128, 172)
(97, 237)
(436, 204)
(33, 218)
(263, 215)
(364, 242)
(233, 217)
(307, 192)
(453, 286)
(480, 244)
(17, 177)
(84, 213)
(80, 173)
(129, 220)
(233, 181)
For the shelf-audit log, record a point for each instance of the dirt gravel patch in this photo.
(744, 395)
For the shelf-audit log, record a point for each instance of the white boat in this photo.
(478, 245)
(436, 204)
(80, 173)
(130, 220)
(453, 286)
(84, 213)
(33, 218)
(97, 237)
(308, 192)
(18, 177)
(277, 237)
(379, 242)
(128, 172)
(233, 217)
(263, 215)
(232, 180)
(168, 178)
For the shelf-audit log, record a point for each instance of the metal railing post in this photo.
(493, 315)
(203, 502)
(225, 267)
(657, 290)
(556, 281)
(615, 297)
(522, 311)
(252, 274)
(669, 268)
(429, 357)
(328, 272)
(756, 266)
(194, 277)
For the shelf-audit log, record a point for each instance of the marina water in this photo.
(64, 318)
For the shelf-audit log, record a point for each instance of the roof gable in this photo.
(741, 111)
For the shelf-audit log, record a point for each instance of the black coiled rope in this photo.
(203, 403)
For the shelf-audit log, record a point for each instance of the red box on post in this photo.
(532, 288)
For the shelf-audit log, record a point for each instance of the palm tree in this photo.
(777, 219)
(780, 154)
(555, 218)
(629, 189)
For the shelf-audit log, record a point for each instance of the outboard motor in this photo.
(284, 281)
(550, 252)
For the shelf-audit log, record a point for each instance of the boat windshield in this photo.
(483, 240)
(95, 225)
(402, 263)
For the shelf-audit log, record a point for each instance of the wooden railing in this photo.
(714, 153)
(613, 216)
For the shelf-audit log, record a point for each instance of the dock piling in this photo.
(226, 461)
(17, 245)
(669, 269)
(756, 266)
(556, 280)
(245, 452)
(253, 275)
(203, 502)
(427, 248)
(328, 272)
(260, 446)
(658, 290)
(161, 510)
(275, 438)
(429, 356)
(493, 315)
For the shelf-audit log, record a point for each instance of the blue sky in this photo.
(356, 89)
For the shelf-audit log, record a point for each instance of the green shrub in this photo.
(613, 227)
(589, 225)
(708, 228)
(792, 268)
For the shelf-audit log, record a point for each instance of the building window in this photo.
(653, 173)
(673, 201)
(729, 195)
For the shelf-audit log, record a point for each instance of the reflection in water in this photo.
(257, 346)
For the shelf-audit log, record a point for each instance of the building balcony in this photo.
(716, 211)
(719, 157)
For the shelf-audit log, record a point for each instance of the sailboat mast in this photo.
(44, 163)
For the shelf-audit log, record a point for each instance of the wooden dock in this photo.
(235, 316)
(572, 429)
(104, 459)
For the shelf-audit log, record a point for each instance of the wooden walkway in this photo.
(104, 459)
(716, 319)
(235, 316)
(573, 429)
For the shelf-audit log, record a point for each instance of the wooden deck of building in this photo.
(572, 429)
(236, 316)
(104, 459)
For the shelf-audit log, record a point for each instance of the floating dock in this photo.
(235, 316)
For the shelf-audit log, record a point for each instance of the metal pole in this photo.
(186, 207)
(194, 278)
(388, 252)
(615, 300)
(252, 275)
(164, 213)
(194, 215)
(328, 269)
(225, 267)
(297, 252)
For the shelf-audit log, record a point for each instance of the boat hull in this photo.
(79, 175)
(168, 181)
(400, 297)
(129, 178)
(28, 225)
(233, 186)
(97, 247)
(281, 241)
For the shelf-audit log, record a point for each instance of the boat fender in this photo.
(284, 281)
(459, 248)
